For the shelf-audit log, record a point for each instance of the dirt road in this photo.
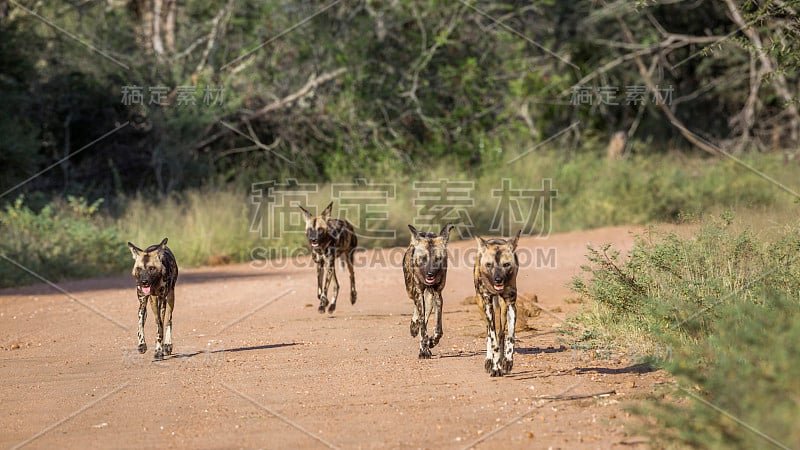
(257, 367)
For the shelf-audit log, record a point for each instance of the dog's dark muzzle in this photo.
(499, 281)
(430, 276)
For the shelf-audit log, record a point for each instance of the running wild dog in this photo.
(495, 274)
(330, 238)
(425, 271)
(156, 272)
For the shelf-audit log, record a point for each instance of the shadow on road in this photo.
(232, 350)
(460, 354)
(255, 347)
(636, 368)
(537, 350)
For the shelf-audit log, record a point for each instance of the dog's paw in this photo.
(331, 308)
(167, 349)
(142, 348)
(414, 328)
(496, 373)
(159, 355)
(487, 364)
(353, 298)
(506, 365)
(323, 304)
(424, 353)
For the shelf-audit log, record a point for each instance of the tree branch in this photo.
(212, 35)
(310, 85)
(648, 79)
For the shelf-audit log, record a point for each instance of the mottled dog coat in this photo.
(495, 274)
(425, 272)
(330, 238)
(156, 272)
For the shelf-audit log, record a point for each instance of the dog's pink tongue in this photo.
(146, 290)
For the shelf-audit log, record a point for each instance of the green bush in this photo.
(737, 388)
(725, 302)
(62, 240)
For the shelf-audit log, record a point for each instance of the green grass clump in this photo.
(725, 302)
(62, 240)
(737, 387)
(199, 224)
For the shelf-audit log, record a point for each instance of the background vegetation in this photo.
(388, 90)
(208, 226)
(718, 309)
(391, 91)
(345, 89)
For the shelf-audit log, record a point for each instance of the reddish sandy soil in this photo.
(255, 365)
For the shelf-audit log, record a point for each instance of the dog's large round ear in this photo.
(445, 233)
(306, 214)
(480, 241)
(515, 240)
(327, 211)
(134, 250)
(414, 233)
(162, 246)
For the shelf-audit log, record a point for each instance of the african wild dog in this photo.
(156, 272)
(425, 271)
(495, 273)
(330, 238)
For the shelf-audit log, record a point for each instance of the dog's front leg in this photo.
(332, 275)
(325, 267)
(320, 267)
(142, 318)
(416, 317)
(492, 345)
(437, 308)
(170, 304)
(155, 305)
(424, 341)
(508, 348)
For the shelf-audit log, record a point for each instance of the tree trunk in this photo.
(158, 43)
(143, 11)
(169, 26)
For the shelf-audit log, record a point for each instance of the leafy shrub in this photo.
(726, 303)
(62, 240)
(737, 388)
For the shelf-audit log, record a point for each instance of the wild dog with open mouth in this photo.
(156, 272)
(330, 238)
(495, 274)
(425, 272)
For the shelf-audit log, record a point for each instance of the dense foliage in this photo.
(720, 311)
(200, 93)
